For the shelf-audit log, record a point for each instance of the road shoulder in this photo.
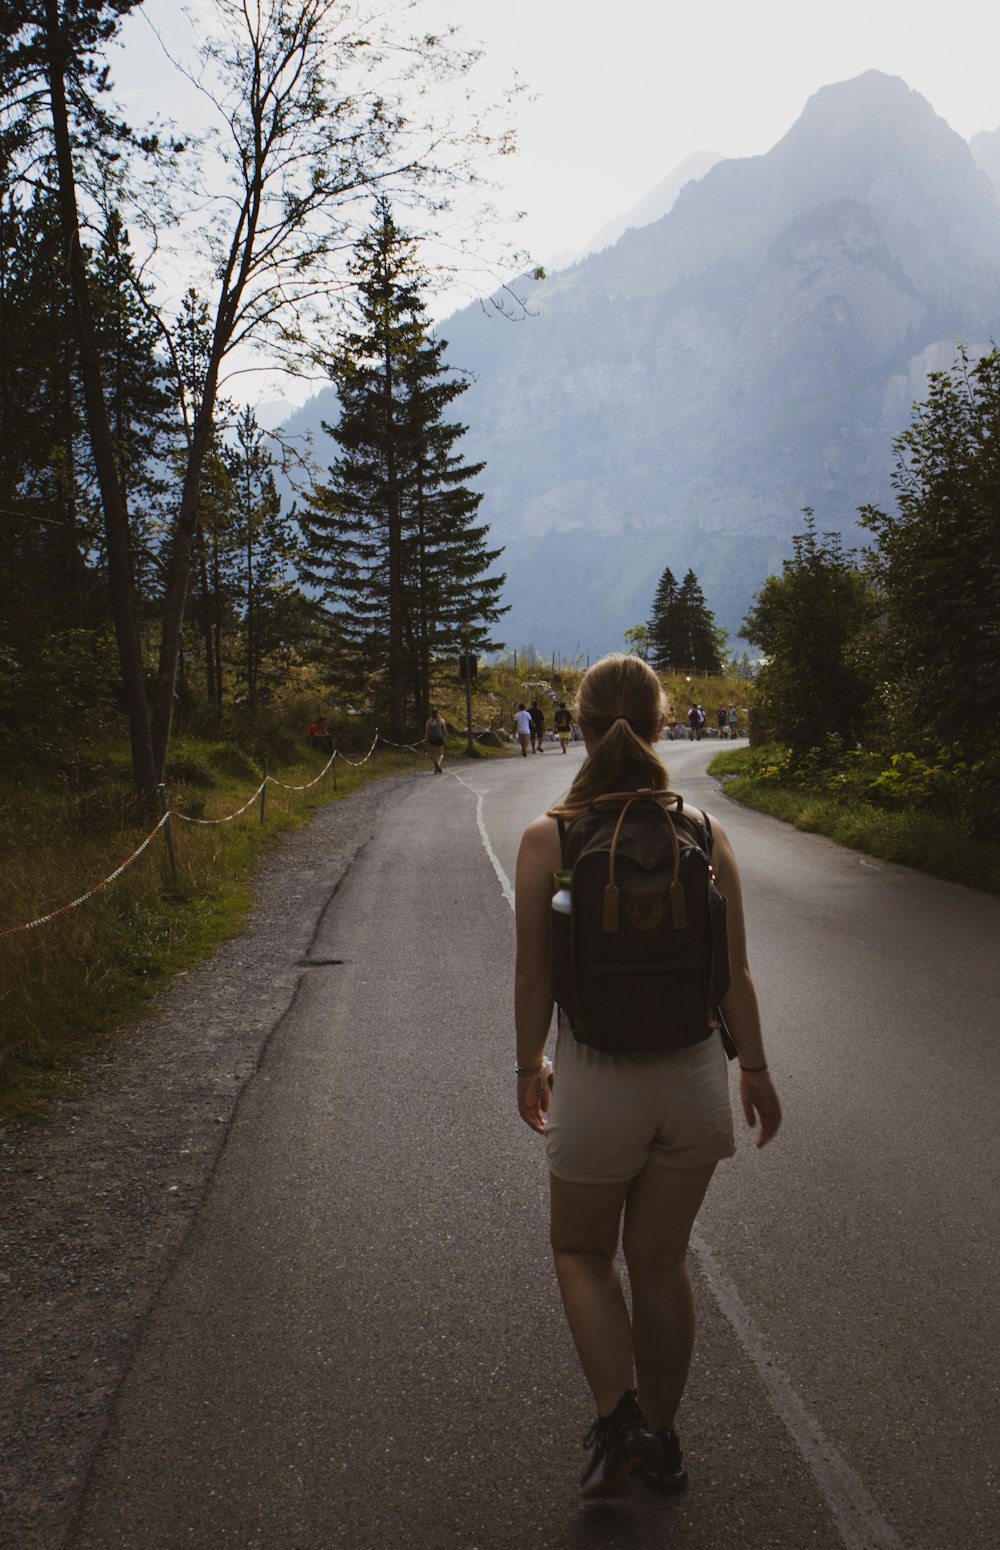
(95, 1205)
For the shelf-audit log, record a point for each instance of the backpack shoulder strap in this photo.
(699, 829)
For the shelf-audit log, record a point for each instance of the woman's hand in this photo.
(760, 1101)
(533, 1099)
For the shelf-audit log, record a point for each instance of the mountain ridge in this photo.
(687, 390)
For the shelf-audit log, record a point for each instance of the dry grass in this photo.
(67, 985)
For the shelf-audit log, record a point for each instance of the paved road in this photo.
(362, 1344)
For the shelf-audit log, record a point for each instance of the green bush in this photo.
(941, 817)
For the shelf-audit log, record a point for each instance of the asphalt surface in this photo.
(360, 1343)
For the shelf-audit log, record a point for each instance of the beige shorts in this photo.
(611, 1114)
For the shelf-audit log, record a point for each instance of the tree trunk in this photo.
(74, 558)
(424, 647)
(251, 612)
(205, 612)
(217, 614)
(98, 429)
(179, 571)
(396, 710)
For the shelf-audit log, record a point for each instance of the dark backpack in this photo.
(642, 960)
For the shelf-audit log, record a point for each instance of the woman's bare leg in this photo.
(584, 1232)
(659, 1215)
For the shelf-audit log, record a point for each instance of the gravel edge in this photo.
(95, 1205)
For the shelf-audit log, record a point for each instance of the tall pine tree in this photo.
(448, 599)
(682, 630)
(392, 536)
(699, 633)
(664, 646)
(138, 400)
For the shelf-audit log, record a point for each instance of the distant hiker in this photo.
(435, 733)
(733, 722)
(537, 727)
(694, 722)
(564, 725)
(522, 726)
(319, 737)
(629, 1136)
(722, 717)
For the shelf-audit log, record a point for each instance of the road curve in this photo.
(361, 1343)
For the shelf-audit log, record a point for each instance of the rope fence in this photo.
(207, 823)
(170, 813)
(97, 888)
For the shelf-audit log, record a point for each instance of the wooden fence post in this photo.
(167, 830)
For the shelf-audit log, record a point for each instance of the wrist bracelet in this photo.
(753, 1070)
(529, 1070)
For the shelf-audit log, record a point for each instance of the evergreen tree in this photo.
(52, 64)
(682, 630)
(701, 639)
(665, 649)
(140, 406)
(52, 607)
(391, 537)
(448, 599)
(809, 621)
(937, 560)
(42, 545)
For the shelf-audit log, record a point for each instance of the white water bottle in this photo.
(562, 899)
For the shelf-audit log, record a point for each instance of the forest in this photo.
(162, 552)
(184, 591)
(877, 702)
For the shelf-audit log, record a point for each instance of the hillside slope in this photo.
(677, 398)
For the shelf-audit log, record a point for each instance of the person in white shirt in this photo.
(522, 725)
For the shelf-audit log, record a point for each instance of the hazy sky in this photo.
(628, 88)
(624, 90)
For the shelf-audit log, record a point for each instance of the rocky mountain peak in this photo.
(686, 391)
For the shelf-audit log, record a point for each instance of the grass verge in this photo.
(927, 841)
(68, 985)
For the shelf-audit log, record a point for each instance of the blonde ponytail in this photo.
(620, 700)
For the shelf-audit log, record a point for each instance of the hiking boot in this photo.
(668, 1475)
(620, 1441)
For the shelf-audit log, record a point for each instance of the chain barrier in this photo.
(410, 747)
(54, 914)
(274, 781)
(208, 822)
(357, 763)
(269, 780)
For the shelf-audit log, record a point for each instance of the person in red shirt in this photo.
(319, 736)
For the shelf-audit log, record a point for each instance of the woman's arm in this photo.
(739, 1004)
(537, 859)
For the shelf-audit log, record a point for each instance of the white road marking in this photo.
(508, 891)
(858, 1520)
(856, 1516)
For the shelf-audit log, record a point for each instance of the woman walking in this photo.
(435, 733)
(632, 1139)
